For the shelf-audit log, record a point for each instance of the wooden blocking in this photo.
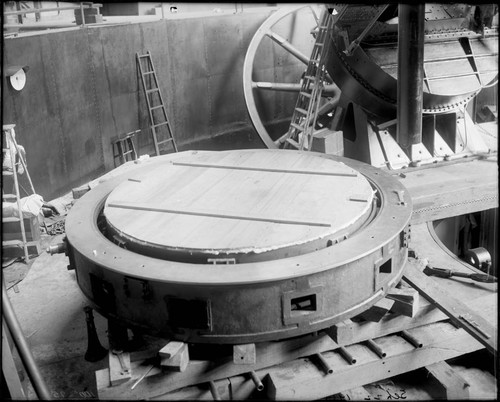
(343, 332)
(455, 387)
(78, 192)
(406, 301)
(175, 356)
(377, 311)
(244, 354)
(119, 367)
(329, 142)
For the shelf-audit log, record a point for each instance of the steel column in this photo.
(410, 75)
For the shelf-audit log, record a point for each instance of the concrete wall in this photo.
(83, 89)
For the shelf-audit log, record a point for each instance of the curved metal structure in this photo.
(242, 301)
(458, 62)
(267, 32)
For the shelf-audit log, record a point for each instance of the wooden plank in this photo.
(349, 332)
(457, 311)
(158, 382)
(214, 214)
(246, 203)
(266, 169)
(455, 387)
(451, 189)
(302, 380)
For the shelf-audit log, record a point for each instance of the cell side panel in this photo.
(239, 314)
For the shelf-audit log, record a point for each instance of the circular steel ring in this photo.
(246, 302)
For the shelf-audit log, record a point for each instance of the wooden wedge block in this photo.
(244, 354)
(171, 349)
(117, 373)
(406, 301)
(177, 361)
(377, 311)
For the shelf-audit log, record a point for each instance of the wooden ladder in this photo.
(301, 130)
(160, 126)
(10, 144)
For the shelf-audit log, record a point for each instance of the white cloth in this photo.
(30, 206)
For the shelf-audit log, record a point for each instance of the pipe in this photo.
(410, 90)
(256, 381)
(324, 364)
(23, 347)
(346, 355)
(411, 339)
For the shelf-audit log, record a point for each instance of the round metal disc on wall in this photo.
(239, 246)
(242, 205)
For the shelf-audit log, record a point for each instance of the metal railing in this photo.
(82, 6)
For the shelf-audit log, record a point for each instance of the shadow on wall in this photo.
(79, 95)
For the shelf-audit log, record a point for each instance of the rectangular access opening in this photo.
(192, 314)
(386, 267)
(303, 303)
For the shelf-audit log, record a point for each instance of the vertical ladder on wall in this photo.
(160, 126)
(302, 127)
(10, 144)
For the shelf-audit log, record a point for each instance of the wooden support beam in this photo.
(458, 312)
(302, 380)
(455, 387)
(158, 382)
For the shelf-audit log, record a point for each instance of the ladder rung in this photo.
(143, 56)
(300, 110)
(164, 141)
(310, 77)
(5, 196)
(293, 143)
(318, 44)
(152, 90)
(156, 107)
(10, 219)
(148, 72)
(305, 94)
(6, 243)
(294, 125)
(160, 124)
